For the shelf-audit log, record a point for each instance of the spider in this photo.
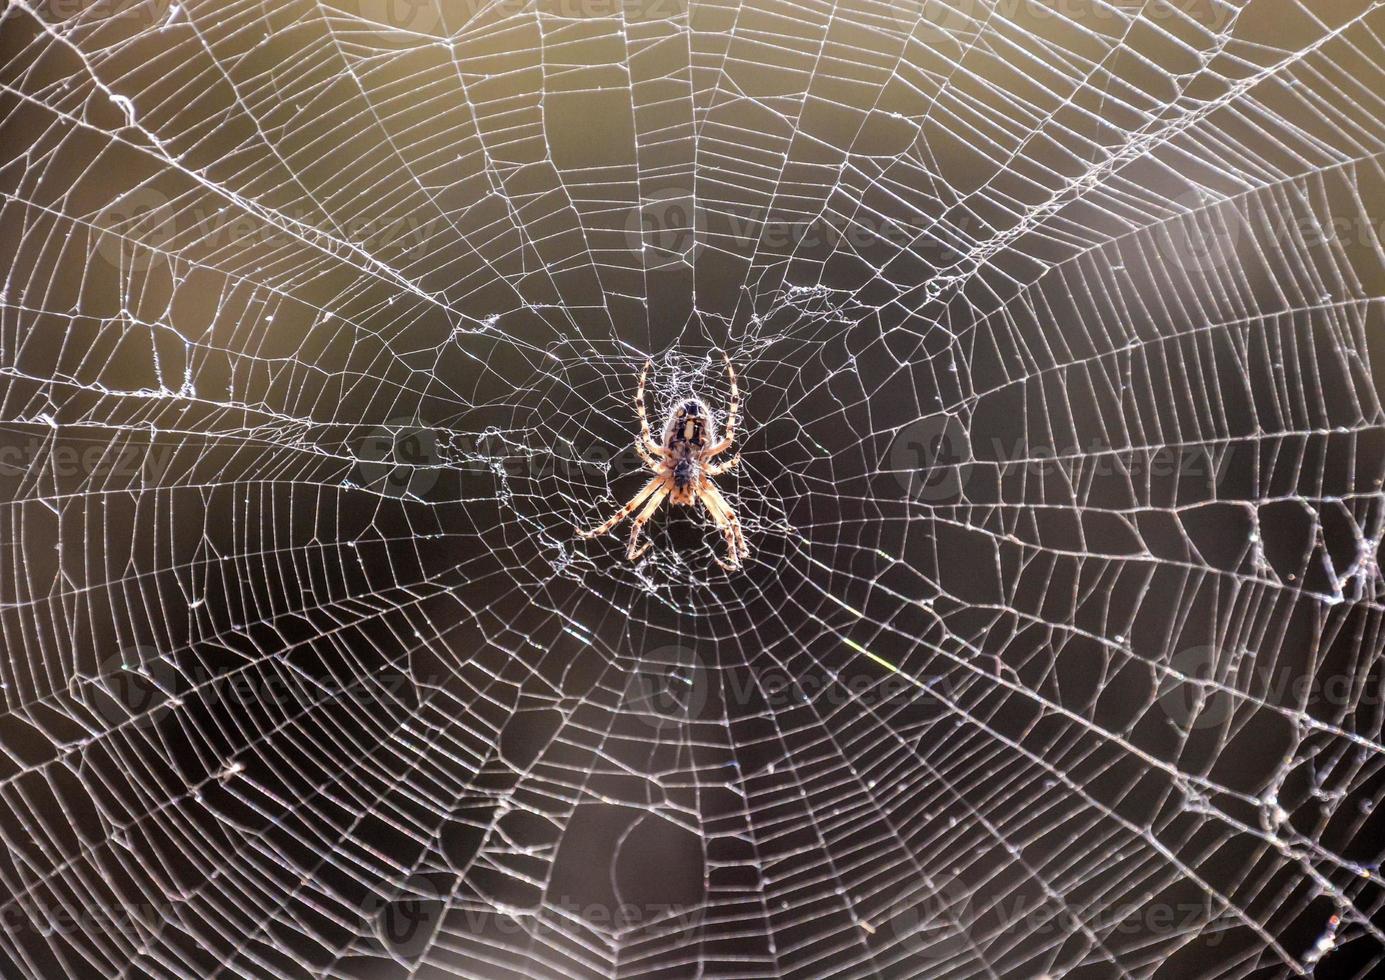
(683, 470)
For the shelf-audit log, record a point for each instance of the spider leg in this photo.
(727, 534)
(716, 469)
(726, 519)
(647, 456)
(640, 521)
(649, 488)
(646, 444)
(732, 412)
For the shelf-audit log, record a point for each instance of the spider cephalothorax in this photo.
(683, 470)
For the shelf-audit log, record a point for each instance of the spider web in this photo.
(1058, 652)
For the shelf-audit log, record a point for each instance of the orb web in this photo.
(1056, 325)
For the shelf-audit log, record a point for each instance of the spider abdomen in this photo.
(684, 472)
